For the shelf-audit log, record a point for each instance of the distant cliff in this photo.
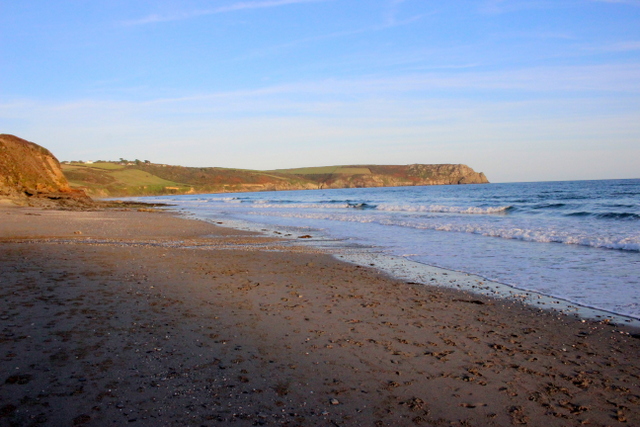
(395, 176)
(104, 179)
(30, 174)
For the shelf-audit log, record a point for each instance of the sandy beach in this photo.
(114, 317)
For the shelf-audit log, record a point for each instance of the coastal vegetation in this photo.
(140, 178)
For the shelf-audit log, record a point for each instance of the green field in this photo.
(137, 178)
(99, 165)
(112, 179)
(105, 179)
(323, 170)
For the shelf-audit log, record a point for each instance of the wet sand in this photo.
(138, 318)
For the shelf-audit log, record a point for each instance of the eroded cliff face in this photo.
(401, 175)
(446, 174)
(30, 173)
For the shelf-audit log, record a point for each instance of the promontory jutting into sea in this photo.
(575, 240)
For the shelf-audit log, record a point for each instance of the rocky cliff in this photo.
(30, 174)
(402, 175)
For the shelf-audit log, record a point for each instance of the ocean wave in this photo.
(286, 203)
(547, 235)
(552, 236)
(620, 205)
(271, 205)
(619, 215)
(626, 194)
(579, 214)
(549, 206)
(624, 216)
(445, 209)
(562, 196)
(361, 206)
(350, 204)
(543, 236)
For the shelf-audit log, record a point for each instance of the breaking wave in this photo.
(269, 204)
(446, 209)
(514, 232)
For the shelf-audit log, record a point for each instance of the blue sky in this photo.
(523, 90)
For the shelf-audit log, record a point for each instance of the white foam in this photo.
(444, 209)
(265, 204)
(548, 235)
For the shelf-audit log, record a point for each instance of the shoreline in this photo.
(152, 319)
(408, 270)
(414, 271)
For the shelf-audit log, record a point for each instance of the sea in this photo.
(572, 243)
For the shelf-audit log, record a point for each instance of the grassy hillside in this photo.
(108, 179)
(323, 170)
(111, 179)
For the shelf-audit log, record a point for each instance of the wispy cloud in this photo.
(392, 11)
(495, 7)
(629, 2)
(245, 5)
(612, 78)
(623, 46)
(506, 6)
(539, 35)
(322, 37)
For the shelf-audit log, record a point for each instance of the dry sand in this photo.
(114, 318)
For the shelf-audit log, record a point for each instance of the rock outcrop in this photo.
(30, 174)
(404, 175)
(446, 174)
